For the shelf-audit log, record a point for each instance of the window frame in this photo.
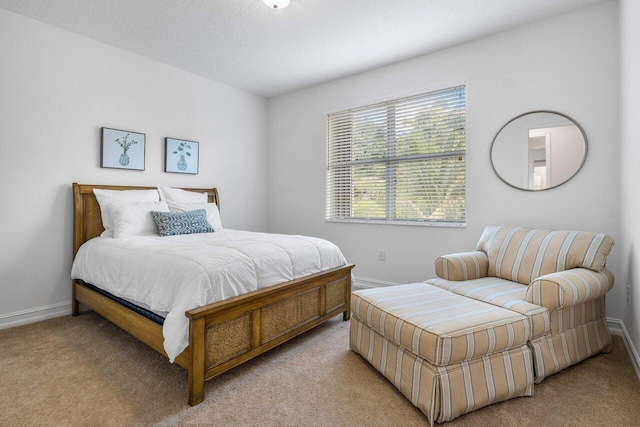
(392, 163)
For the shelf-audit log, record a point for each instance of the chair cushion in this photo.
(439, 326)
(502, 293)
(523, 254)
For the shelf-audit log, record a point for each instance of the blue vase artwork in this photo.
(125, 144)
(124, 159)
(182, 163)
(184, 150)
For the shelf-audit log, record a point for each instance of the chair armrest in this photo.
(569, 287)
(462, 266)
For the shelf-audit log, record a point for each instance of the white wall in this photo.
(501, 84)
(630, 176)
(57, 90)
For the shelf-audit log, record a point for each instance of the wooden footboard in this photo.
(228, 333)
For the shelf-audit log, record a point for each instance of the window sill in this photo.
(410, 223)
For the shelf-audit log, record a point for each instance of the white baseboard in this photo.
(32, 315)
(365, 283)
(616, 327)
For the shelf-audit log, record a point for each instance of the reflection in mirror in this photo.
(539, 150)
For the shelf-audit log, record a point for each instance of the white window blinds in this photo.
(401, 161)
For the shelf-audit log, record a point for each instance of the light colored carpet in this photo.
(85, 371)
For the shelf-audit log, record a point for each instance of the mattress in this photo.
(178, 273)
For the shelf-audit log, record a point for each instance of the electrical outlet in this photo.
(382, 255)
(629, 295)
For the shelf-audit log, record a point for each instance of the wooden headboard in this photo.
(87, 220)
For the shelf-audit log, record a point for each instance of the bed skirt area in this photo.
(131, 306)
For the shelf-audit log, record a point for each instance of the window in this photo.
(399, 162)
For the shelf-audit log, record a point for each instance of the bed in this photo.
(223, 334)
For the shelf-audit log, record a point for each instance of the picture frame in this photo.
(181, 156)
(122, 149)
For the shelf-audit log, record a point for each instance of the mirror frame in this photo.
(584, 158)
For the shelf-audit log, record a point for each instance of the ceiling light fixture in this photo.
(277, 4)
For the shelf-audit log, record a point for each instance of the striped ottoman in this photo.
(446, 353)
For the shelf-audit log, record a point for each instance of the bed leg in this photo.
(75, 308)
(196, 362)
(346, 315)
(75, 304)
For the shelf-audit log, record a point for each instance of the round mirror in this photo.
(538, 150)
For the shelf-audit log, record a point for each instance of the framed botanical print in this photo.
(122, 149)
(181, 156)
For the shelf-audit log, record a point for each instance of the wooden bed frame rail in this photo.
(224, 334)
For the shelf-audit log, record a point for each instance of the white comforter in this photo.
(175, 274)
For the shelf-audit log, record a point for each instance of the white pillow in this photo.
(181, 196)
(135, 219)
(213, 214)
(108, 199)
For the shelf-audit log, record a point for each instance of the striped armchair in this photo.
(557, 279)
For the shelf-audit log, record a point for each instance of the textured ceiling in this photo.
(244, 44)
